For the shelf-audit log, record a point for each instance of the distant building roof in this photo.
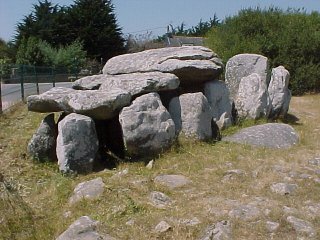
(178, 41)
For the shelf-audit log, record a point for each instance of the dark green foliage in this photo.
(200, 30)
(290, 38)
(29, 52)
(91, 22)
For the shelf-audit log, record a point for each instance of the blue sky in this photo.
(138, 16)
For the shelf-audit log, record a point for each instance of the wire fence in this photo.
(20, 81)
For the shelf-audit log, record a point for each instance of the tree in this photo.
(94, 23)
(30, 52)
(290, 38)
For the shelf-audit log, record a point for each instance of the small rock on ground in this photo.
(162, 227)
(283, 188)
(219, 231)
(90, 190)
(272, 226)
(172, 181)
(159, 199)
(245, 212)
(302, 227)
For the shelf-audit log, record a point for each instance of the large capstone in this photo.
(192, 115)
(218, 95)
(279, 93)
(252, 100)
(93, 103)
(42, 145)
(270, 135)
(243, 65)
(139, 83)
(77, 143)
(147, 126)
(89, 82)
(191, 64)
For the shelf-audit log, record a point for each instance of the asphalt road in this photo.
(11, 93)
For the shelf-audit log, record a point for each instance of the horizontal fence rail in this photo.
(20, 81)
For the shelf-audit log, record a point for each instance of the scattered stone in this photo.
(147, 126)
(42, 146)
(191, 64)
(190, 222)
(279, 93)
(77, 144)
(83, 229)
(314, 162)
(288, 210)
(139, 83)
(233, 174)
(120, 174)
(217, 94)
(192, 115)
(283, 188)
(172, 181)
(87, 190)
(302, 227)
(305, 176)
(252, 100)
(162, 227)
(245, 212)
(272, 226)
(312, 209)
(243, 65)
(219, 231)
(159, 199)
(130, 222)
(150, 165)
(270, 135)
(67, 214)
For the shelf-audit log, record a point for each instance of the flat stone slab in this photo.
(83, 229)
(92, 103)
(139, 83)
(270, 135)
(172, 181)
(189, 63)
(87, 190)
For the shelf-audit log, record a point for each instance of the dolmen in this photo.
(142, 102)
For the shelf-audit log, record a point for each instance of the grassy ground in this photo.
(34, 196)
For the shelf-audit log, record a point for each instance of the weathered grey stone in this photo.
(270, 135)
(219, 231)
(147, 126)
(87, 190)
(162, 227)
(83, 229)
(243, 65)
(192, 115)
(252, 100)
(302, 227)
(283, 188)
(89, 82)
(218, 97)
(190, 222)
(138, 83)
(279, 93)
(53, 100)
(93, 103)
(191, 64)
(42, 145)
(159, 199)
(272, 226)
(245, 212)
(77, 143)
(172, 181)
(233, 174)
(315, 161)
(99, 104)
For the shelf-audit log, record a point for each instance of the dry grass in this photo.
(41, 193)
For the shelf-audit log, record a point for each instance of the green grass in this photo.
(35, 206)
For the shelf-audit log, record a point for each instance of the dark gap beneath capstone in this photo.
(111, 145)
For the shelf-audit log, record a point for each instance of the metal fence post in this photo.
(53, 77)
(0, 96)
(22, 83)
(36, 78)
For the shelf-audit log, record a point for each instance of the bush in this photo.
(290, 38)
